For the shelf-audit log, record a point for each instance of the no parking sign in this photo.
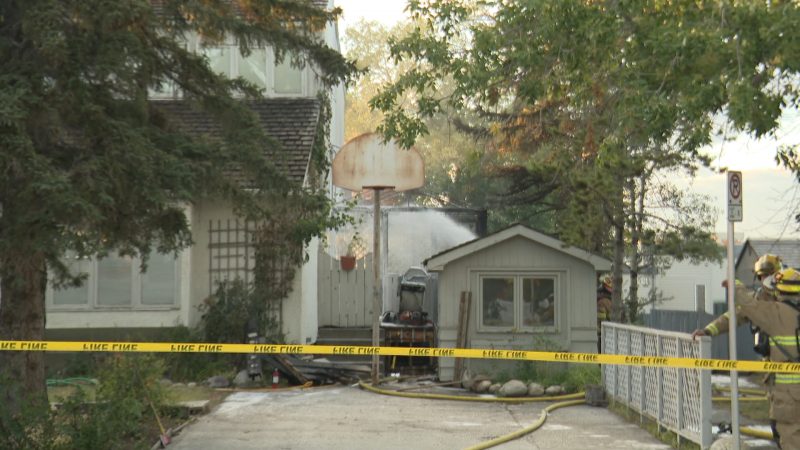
(734, 196)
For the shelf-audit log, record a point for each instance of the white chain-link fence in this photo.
(676, 399)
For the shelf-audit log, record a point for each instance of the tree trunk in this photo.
(22, 317)
(636, 227)
(617, 307)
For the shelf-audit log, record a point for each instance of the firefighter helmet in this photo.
(787, 282)
(606, 284)
(767, 265)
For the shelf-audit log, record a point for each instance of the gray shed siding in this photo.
(576, 314)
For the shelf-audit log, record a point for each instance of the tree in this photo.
(90, 166)
(460, 168)
(592, 96)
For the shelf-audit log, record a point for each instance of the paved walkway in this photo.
(349, 418)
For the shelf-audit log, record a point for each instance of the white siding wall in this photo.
(299, 308)
(577, 313)
(679, 282)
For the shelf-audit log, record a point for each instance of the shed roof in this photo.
(787, 249)
(292, 122)
(437, 262)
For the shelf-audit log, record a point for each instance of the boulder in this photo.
(218, 381)
(481, 387)
(478, 379)
(554, 390)
(513, 388)
(466, 379)
(494, 388)
(242, 379)
(535, 390)
(191, 384)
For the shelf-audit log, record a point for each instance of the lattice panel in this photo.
(673, 397)
(651, 377)
(636, 373)
(670, 384)
(624, 372)
(692, 412)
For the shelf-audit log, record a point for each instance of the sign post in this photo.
(366, 162)
(734, 188)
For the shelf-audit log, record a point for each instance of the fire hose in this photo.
(563, 401)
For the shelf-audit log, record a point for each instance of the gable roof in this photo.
(158, 5)
(292, 122)
(787, 249)
(437, 262)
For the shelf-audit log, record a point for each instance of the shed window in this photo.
(525, 302)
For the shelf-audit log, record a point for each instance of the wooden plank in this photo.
(459, 362)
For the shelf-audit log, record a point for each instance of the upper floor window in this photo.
(525, 302)
(260, 67)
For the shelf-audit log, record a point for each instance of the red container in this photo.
(347, 262)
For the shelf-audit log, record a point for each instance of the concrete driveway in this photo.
(350, 418)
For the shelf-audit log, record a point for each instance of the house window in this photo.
(260, 67)
(700, 297)
(288, 79)
(523, 302)
(77, 295)
(116, 282)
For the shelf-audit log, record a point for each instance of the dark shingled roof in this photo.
(292, 122)
(787, 249)
(158, 5)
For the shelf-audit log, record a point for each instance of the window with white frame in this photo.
(260, 67)
(518, 301)
(116, 282)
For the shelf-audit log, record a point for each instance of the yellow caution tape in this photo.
(472, 353)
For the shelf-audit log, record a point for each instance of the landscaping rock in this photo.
(481, 387)
(478, 379)
(535, 390)
(218, 381)
(513, 388)
(191, 384)
(242, 379)
(466, 379)
(493, 389)
(554, 390)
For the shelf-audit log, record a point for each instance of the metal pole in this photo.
(376, 282)
(732, 341)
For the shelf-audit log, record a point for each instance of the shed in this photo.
(529, 291)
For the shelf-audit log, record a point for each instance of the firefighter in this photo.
(603, 307)
(780, 320)
(765, 267)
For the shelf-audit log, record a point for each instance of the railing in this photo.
(676, 399)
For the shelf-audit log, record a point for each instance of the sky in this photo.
(771, 194)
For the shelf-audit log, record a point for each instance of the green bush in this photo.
(226, 314)
(195, 366)
(119, 418)
(31, 429)
(128, 385)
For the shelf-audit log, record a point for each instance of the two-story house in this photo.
(118, 300)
